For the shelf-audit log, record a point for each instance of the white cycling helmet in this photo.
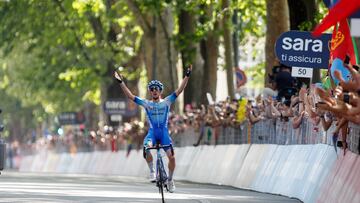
(155, 83)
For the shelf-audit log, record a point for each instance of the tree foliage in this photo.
(57, 51)
(252, 14)
(57, 55)
(318, 16)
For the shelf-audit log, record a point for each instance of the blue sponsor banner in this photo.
(301, 49)
(122, 107)
(71, 118)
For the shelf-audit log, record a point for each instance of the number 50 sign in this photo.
(302, 72)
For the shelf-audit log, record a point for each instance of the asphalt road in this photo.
(47, 187)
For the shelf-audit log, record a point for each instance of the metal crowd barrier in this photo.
(271, 131)
(353, 139)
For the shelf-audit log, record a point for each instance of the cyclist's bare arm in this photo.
(126, 90)
(184, 82)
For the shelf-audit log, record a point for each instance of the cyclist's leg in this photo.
(166, 140)
(171, 164)
(149, 159)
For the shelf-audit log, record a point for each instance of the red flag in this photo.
(341, 43)
(332, 42)
(340, 11)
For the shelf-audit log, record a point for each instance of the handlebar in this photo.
(158, 147)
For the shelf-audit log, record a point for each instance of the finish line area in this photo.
(49, 187)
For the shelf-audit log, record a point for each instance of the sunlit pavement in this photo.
(34, 187)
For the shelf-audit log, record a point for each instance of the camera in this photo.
(347, 60)
(346, 98)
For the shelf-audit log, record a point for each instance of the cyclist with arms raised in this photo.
(157, 112)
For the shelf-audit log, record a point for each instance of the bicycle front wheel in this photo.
(161, 190)
(161, 186)
(162, 177)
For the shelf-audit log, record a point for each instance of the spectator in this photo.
(271, 91)
(321, 104)
(285, 84)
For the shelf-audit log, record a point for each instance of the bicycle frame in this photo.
(161, 176)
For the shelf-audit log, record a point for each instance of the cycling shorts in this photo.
(158, 135)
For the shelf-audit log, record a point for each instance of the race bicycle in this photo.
(161, 176)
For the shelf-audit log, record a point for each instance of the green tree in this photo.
(156, 19)
(228, 47)
(277, 23)
(63, 53)
(59, 55)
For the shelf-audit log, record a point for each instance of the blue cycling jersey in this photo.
(157, 112)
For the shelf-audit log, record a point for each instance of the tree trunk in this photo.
(149, 46)
(307, 8)
(228, 47)
(166, 55)
(235, 39)
(114, 91)
(277, 23)
(103, 117)
(210, 53)
(191, 55)
(160, 55)
(15, 129)
(91, 117)
(111, 90)
(211, 49)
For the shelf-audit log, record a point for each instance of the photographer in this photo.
(271, 90)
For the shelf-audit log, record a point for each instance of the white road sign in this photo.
(355, 27)
(301, 72)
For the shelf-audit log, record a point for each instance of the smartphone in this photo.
(346, 98)
(347, 60)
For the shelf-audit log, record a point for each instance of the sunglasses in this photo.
(154, 89)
